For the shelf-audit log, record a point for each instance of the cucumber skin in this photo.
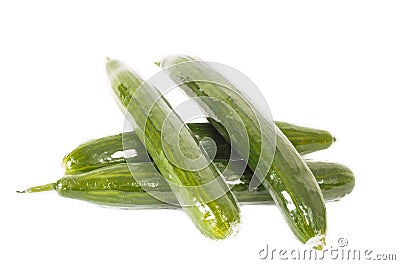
(114, 185)
(215, 218)
(290, 182)
(100, 152)
(306, 140)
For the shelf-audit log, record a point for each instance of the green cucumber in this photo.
(109, 150)
(290, 182)
(114, 185)
(306, 140)
(213, 208)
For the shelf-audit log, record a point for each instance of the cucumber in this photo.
(114, 185)
(213, 208)
(290, 182)
(108, 150)
(306, 140)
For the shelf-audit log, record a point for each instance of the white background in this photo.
(328, 64)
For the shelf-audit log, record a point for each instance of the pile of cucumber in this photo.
(98, 171)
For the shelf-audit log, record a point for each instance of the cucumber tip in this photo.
(317, 242)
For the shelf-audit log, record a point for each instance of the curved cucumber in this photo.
(115, 186)
(290, 182)
(213, 209)
(108, 150)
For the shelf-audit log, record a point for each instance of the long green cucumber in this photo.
(290, 182)
(109, 150)
(202, 193)
(115, 186)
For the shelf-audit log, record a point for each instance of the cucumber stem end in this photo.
(46, 187)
